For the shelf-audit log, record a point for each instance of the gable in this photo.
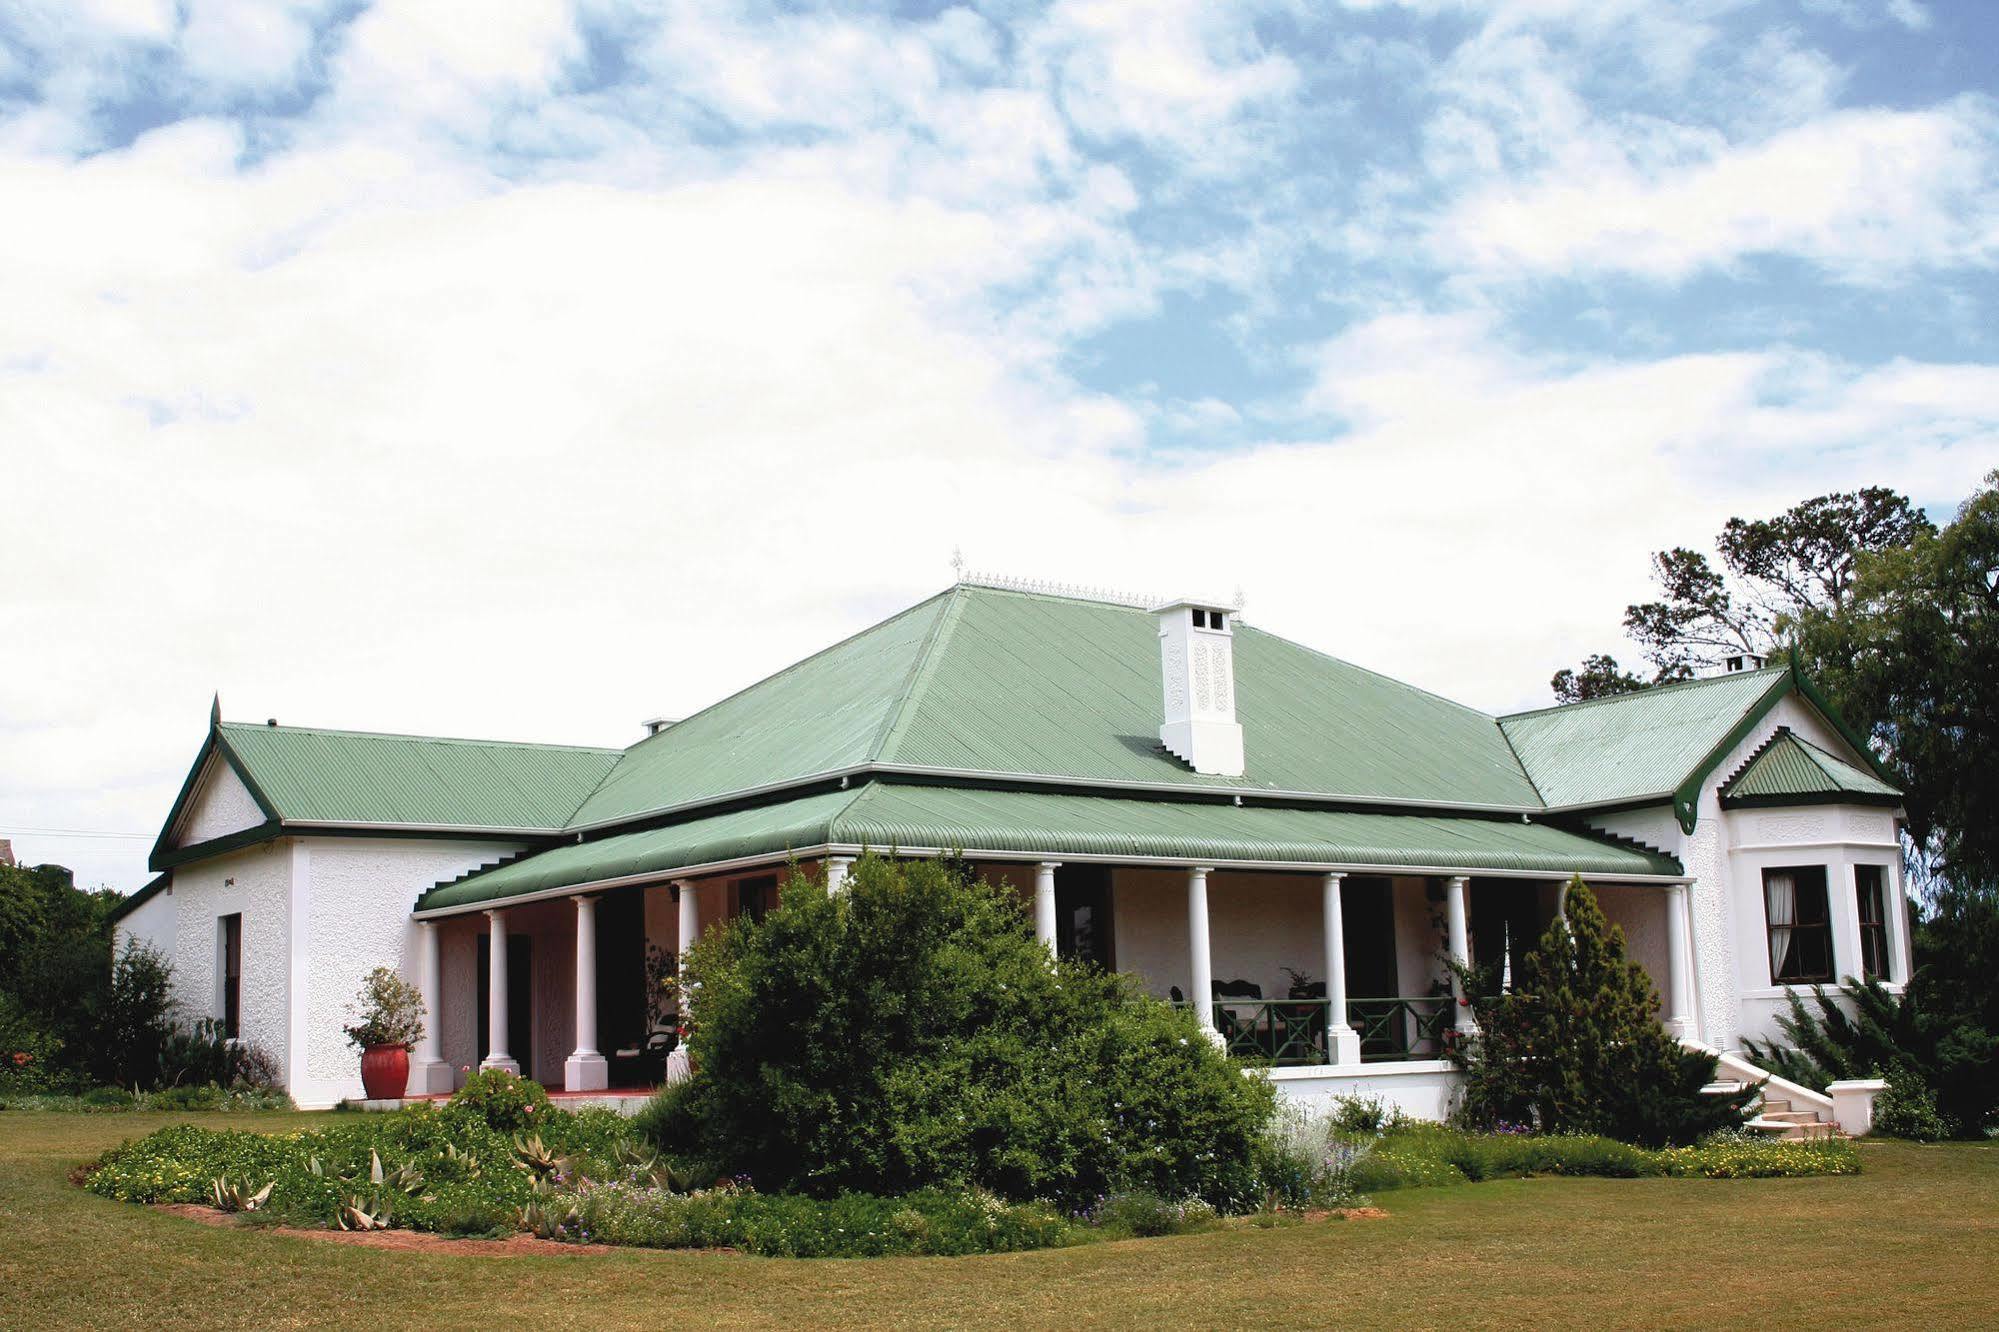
(221, 805)
(1787, 769)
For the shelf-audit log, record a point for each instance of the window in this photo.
(232, 976)
(1871, 889)
(1794, 899)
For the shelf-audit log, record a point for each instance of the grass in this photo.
(1913, 1242)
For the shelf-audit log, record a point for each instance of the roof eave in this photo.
(837, 848)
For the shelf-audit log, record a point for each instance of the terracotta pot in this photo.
(385, 1071)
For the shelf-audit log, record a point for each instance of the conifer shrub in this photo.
(908, 1032)
(1576, 1046)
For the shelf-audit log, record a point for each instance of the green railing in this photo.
(1288, 1032)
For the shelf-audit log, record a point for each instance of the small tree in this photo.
(909, 1031)
(1577, 1046)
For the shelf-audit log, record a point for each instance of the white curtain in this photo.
(1780, 900)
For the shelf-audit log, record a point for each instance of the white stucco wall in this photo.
(221, 805)
(255, 882)
(356, 899)
(1422, 1089)
(155, 922)
(1641, 914)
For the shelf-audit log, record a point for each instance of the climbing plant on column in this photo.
(1576, 1045)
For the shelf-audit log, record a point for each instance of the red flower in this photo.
(22, 1058)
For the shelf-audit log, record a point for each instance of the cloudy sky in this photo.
(527, 370)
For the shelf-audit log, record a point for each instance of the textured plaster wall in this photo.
(357, 907)
(222, 806)
(255, 882)
(155, 923)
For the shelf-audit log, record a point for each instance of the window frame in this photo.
(1876, 940)
(1801, 932)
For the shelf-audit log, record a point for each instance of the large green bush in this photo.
(908, 1032)
(1576, 1045)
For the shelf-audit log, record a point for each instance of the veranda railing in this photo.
(1289, 1032)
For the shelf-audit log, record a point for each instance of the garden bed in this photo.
(510, 1168)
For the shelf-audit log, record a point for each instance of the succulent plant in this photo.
(238, 1197)
(362, 1214)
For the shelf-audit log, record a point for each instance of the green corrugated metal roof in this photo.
(1635, 745)
(985, 680)
(823, 714)
(1018, 683)
(356, 777)
(1788, 769)
(889, 815)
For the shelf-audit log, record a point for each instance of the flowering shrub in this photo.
(505, 1102)
(1144, 1214)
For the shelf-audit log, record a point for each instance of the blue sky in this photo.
(530, 370)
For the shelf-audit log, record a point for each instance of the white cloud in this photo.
(1865, 194)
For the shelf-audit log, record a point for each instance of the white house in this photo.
(1290, 843)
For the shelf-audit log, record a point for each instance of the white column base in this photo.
(1345, 1043)
(1683, 1028)
(586, 1072)
(431, 1077)
(507, 1062)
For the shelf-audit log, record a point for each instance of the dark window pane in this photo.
(1870, 889)
(232, 976)
(1800, 926)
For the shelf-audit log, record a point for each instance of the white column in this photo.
(690, 916)
(1679, 960)
(1342, 1041)
(429, 1074)
(1044, 903)
(586, 1069)
(1460, 945)
(1200, 962)
(837, 869)
(496, 996)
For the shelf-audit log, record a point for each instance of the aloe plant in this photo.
(238, 1197)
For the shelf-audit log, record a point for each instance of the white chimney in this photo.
(1197, 667)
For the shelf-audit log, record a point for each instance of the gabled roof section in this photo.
(826, 714)
(300, 776)
(1789, 770)
(886, 815)
(1026, 686)
(1642, 746)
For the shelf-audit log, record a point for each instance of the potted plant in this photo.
(391, 1016)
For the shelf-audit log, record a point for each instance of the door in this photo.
(520, 999)
(621, 970)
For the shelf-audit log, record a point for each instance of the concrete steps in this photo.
(1777, 1118)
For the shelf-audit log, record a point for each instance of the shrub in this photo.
(1142, 1215)
(909, 1032)
(27, 1052)
(1576, 1045)
(1308, 1158)
(1737, 1159)
(848, 1225)
(1388, 1167)
(135, 1018)
(505, 1102)
(1907, 1109)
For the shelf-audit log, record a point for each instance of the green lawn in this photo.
(1914, 1242)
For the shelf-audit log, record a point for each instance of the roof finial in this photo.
(215, 712)
(957, 564)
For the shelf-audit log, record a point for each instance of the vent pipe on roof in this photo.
(1197, 670)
